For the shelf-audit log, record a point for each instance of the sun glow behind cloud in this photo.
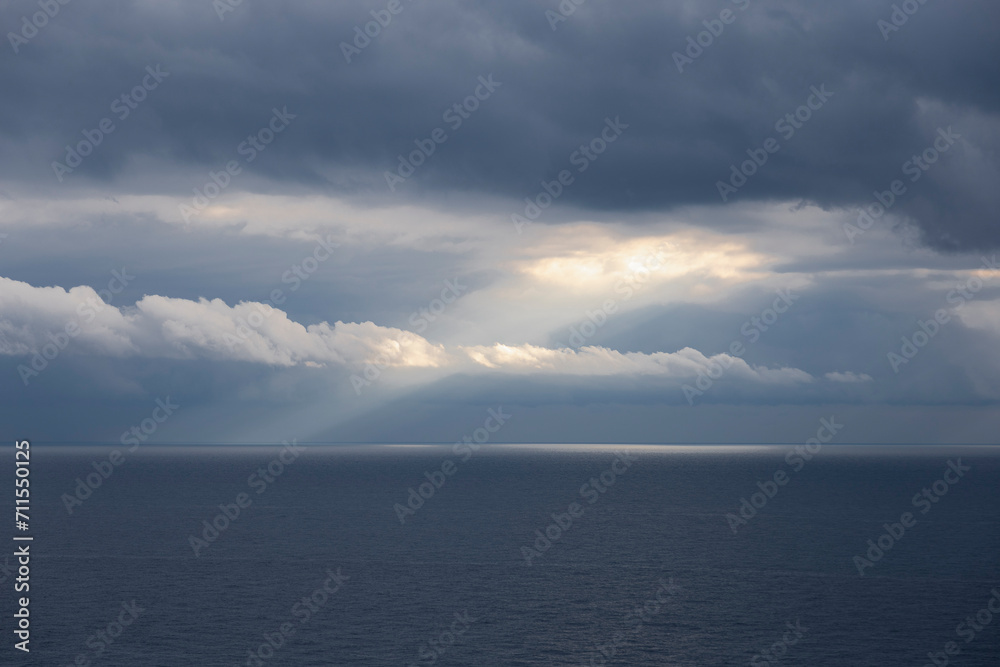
(587, 259)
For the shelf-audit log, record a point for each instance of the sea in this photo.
(493, 555)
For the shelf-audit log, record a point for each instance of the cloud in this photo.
(687, 363)
(163, 327)
(634, 259)
(686, 129)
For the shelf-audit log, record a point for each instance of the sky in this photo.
(391, 221)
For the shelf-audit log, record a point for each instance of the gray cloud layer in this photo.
(606, 60)
(918, 105)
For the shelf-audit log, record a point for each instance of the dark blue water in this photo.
(650, 572)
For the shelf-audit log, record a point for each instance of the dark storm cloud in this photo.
(557, 87)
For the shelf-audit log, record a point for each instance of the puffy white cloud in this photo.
(981, 314)
(599, 361)
(165, 327)
(31, 316)
(158, 326)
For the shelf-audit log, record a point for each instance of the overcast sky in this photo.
(616, 222)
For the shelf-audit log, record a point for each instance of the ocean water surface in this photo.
(514, 555)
